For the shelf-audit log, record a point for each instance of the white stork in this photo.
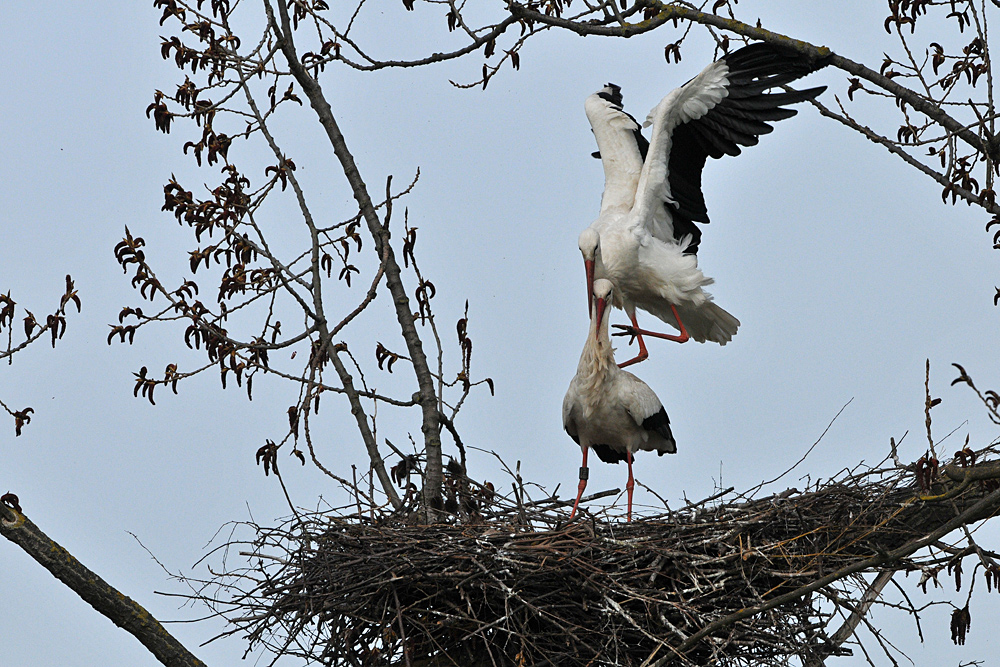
(645, 240)
(610, 410)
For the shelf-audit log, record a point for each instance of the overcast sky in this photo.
(844, 267)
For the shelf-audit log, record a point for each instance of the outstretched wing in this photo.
(714, 114)
(620, 145)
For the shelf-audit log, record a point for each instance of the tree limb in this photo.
(366, 433)
(982, 509)
(673, 12)
(108, 601)
(858, 612)
(404, 315)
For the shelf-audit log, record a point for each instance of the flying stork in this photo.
(645, 240)
(610, 410)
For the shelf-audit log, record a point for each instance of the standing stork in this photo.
(610, 410)
(645, 240)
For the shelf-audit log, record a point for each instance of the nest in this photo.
(734, 583)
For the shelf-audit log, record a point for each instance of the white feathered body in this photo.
(651, 273)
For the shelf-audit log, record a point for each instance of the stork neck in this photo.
(598, 356)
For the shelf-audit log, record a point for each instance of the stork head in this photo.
(590, 248)
(603, 297)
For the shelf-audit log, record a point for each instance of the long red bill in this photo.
(601, 305)
(588, 264)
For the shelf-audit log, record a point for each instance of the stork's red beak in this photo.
(588, 264)
(601, 305)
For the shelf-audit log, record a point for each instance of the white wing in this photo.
(638, 398)
(618, 146)
(689, 102)
(647, 412)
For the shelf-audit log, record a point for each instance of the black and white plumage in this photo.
(645, 239)
(610, 410)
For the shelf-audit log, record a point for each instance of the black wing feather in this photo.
(772, 100)
(733, 137)
(660, 424)
(607, 454)
(747, 126)
(685, 185)
(758, 116)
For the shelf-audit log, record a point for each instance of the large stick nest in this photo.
(740, 582)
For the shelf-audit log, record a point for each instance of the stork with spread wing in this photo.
(645, 240)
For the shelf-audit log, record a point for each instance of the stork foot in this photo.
(626, 330)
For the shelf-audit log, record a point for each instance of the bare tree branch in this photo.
(428, 398)
(108, 601)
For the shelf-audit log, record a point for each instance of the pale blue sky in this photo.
(843, 266)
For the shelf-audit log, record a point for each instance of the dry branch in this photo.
(404, 314)
(108, 601)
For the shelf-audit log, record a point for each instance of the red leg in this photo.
(638, 333)
(631, 484)
(682, 338)
(643, 353)
(584, 474)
